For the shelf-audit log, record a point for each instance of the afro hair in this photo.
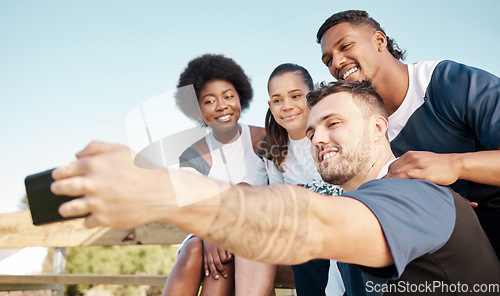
(205, 68)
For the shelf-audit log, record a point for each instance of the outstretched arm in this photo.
(286, 224)
(280, 224)
(444, 169)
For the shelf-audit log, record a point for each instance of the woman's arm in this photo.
(258, 135)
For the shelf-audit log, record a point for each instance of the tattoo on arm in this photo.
(270, 228)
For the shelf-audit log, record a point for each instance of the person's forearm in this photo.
(480, 167)
(275, 224)
(280, 224)
(239, 218)
(268, 227)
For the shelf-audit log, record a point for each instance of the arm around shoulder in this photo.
(480, 167)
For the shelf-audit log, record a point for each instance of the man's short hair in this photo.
(363, 94)
(359, 18)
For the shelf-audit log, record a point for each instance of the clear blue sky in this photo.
(70, 71)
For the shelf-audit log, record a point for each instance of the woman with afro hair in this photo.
(230, 153)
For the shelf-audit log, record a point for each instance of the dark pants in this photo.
(311, 277)
(491, 225)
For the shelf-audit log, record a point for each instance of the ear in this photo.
(380, 128)
(269, 104)
(380, 40)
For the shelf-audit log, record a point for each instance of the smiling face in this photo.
(339, 136)
(220, 105)
(288, 103)
(353, 52)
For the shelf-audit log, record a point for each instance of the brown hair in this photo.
(363, 94)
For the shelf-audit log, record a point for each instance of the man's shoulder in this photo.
(404, 195)
(417, 218)
(427, 66)
(458, 91)
(448, 71)
(398, 183)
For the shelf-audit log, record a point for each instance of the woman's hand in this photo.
(214, 259)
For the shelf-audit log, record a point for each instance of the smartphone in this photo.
(43, 203)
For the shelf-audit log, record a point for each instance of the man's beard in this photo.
(349, 163)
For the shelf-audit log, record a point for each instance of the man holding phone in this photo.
(398, 230)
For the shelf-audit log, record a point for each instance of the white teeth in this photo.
(328, 155)
(225, 117)
(349, 72)
(291, 117)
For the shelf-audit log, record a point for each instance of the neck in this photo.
(393, 84)
(297, 134)
(228, 136)
(371, 169)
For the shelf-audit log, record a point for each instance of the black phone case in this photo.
(43, 203)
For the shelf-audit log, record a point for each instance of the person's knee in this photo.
(191, 254)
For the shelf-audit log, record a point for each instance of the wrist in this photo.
(459, 164)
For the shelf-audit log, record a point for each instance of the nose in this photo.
(320, 138)
(287, 104)
(338, 62)
(221, 105)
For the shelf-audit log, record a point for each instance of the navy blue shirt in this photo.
(432, 233)
(450, 108)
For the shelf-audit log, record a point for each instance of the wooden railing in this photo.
(17, 231)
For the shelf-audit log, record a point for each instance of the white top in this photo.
(420, 75)
(236, 162)
(233, 163)
(385, 169)
(298, 166)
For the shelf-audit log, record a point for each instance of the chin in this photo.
(223, 126)
(294, 125)
(338, 176)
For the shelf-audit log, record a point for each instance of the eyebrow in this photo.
(290, 91)
(309, 128)
(212, 95)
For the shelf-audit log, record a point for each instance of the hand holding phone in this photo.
(43, 203)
